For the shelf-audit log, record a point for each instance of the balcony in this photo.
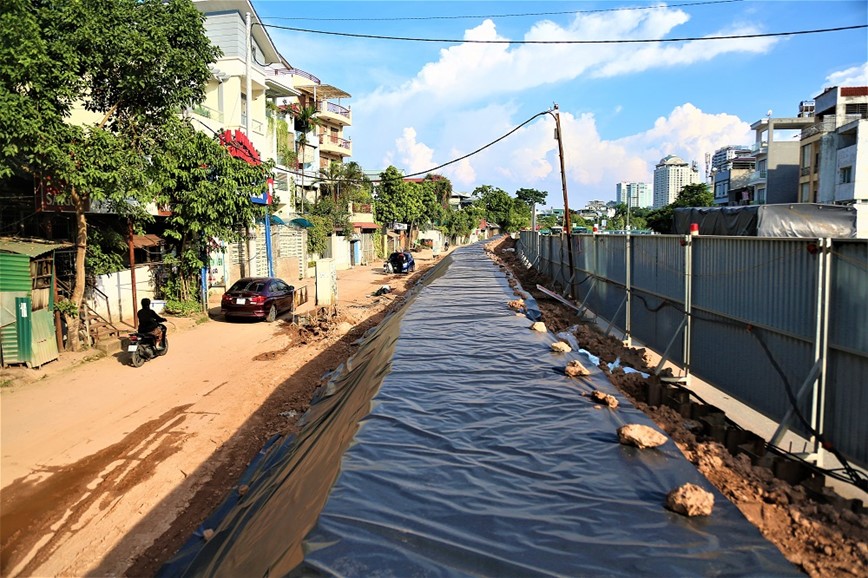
(335, 145)
(335, 113)
(822, 127)
(757, 177)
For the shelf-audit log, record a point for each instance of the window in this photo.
(805, 196)
(845, 175)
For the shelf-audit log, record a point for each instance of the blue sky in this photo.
(623, 107)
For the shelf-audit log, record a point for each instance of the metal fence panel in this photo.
(754, 308)
(847, 364)
(732, 358)
(767, 282)
(658, 265)
(846, 402)
(654, 322)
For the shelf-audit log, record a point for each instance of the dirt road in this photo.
(101, 460)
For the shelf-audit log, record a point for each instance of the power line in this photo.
(619, 41)
(520, 15)
(468, 155)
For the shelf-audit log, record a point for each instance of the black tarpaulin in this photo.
(803, 220)
(476, 456)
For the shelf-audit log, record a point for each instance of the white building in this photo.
(670, 176)
(637, 195)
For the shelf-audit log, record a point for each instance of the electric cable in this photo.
(519, 15)
(581, 42)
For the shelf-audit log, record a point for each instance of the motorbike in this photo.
(143, 346)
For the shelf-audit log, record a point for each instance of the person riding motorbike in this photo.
(149, 322)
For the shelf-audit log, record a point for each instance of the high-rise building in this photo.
(670, 176)
(637, 195)
(723, 156)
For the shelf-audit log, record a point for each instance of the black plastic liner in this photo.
(478, 457)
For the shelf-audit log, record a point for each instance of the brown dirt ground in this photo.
(108, 469)
(822, 534)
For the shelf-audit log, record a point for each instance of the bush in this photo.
(186, 308)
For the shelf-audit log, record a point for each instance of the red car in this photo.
(258, 297)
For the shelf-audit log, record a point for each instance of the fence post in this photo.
(628, 262)
(821, 345)
(688, 303)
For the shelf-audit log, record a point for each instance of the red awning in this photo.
(365, 226)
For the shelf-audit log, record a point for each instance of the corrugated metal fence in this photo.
(761, 319)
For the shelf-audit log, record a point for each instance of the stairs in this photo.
(104, 333)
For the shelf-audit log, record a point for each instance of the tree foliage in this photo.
(661, 220)
(134, 63)
(531, 196)
(208, 192)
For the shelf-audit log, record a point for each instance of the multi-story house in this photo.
(672, 174)
(829, 147)
(325, 143)
(730, 173)
(775, 178)
(635, 195)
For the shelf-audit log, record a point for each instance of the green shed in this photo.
(27, 329)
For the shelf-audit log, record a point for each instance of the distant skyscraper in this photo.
(640, 195)
(670, 176)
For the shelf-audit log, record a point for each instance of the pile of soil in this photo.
(821, 533)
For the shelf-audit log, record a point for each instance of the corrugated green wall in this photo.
(14, 272)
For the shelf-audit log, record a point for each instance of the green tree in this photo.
(327, 217)
(531, 196)
(208, 194)
(661, 220)
(495, 203)
(694, 195)
(305, 120)
(345, 181)
(136, 63)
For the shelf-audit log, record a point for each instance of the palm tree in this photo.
(305, 120)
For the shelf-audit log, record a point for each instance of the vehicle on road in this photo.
(143, 346)
(400, 262)
(258, 298)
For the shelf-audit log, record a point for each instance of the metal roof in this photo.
(325, 91)
(30, 247)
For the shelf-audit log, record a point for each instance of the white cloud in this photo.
(412, 155)
(853, 76)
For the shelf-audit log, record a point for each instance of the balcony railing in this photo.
(207, 112)
(805, 171)
(335, 141)
(297, 72)
(334, 109)
(821, 127)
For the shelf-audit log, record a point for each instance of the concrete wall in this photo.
(118, 289)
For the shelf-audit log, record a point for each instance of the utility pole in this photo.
(567, 224)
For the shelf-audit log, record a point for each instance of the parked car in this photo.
(258, 297)
(400, 262)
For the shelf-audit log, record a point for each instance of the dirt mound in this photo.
(815, 529)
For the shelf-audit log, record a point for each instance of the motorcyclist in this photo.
(149, 322)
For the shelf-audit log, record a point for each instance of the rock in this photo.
(605, 398)
(242, 489)
(343, 328)
(561, 347)
(539, 326)
(517, 304)
(575, 369)
(208, 534)
(641, 436)
(690, 500)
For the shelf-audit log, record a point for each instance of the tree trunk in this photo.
(78, 288)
